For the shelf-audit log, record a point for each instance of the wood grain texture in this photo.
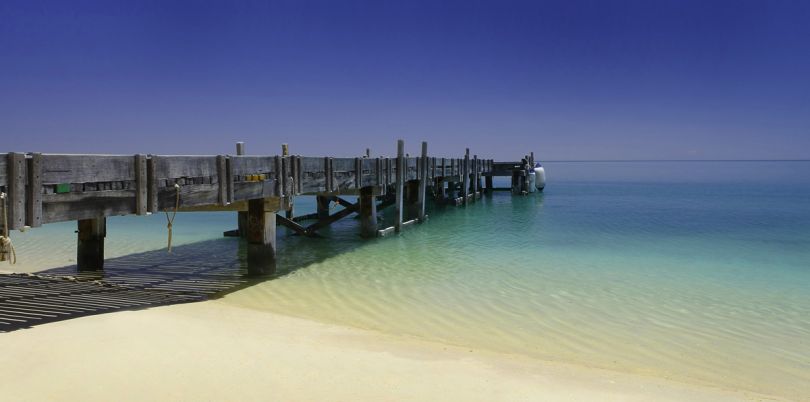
(141, 185)
(33, 210)
(58, 168)
(3, 170)
(17, 178)
(172, 167)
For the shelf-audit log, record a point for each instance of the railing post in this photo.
(242, 216)
(423, 161)
(465, 190)
(400, 178)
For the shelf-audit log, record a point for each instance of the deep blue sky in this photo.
(567, 79)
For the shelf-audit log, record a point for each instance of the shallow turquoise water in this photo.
(694, 271)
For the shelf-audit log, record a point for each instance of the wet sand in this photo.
(215, 351)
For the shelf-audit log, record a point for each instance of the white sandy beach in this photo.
(214, 351)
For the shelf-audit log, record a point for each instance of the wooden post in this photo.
(465, 189)
(368, 212)
(322, 202)
(15, 188)
(289, 190)
(423, 179)
(411, 201)
(242, 217)
(261, 238)
(33, 215)
(90, 247)
(151, 184)
(141, 184)
(222, 180)
(441, 194)
(489, 184)
(475, 183)
(399, 186)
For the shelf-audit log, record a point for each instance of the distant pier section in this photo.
(46, 188)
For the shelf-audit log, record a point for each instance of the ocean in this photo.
(692, 271)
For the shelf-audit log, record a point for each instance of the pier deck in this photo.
(46, 188)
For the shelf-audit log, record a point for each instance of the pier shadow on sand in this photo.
(191, 273)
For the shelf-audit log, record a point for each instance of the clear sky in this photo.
(567, 79)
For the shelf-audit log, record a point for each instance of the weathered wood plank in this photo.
(330, 176)
(77, 206)
(279, 168)
(229, 179)
(17, 178)
(152, 184)
(252, 190)
(141, 185)
(423, 181)
(190, 195)
(400, 185)
(3, 170)
(57, 168)
(299, 174)
(358, 173)
(33, 210)
(465, 190)
(222, 180)
(368, 173)
(245, 165)
(504, 168)
(172, 167)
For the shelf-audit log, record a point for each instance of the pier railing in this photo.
(45, 188)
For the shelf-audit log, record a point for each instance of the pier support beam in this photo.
(368, 212)
(423, 178)
(261, 238)
(476, 184)
(241, 219)
(488, 180)
(322, 205)
(90, 247)
(412, 204)
(399, 185)
(465, 188)
(440, 193)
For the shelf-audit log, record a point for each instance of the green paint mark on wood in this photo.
(63, 188)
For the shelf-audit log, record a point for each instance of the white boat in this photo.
(539, 176)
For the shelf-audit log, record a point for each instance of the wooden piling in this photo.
(16, 166)
(242, 217)
(287, 172)
(399, 185)
(423, 179)
(465, 188)
(33, 210)
(475, 184)
(261, 238)
(411, 200)
(368, 212)
(90, 246)
(322, 206)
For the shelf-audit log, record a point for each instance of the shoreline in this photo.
(212, 350)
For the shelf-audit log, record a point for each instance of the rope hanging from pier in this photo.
(7, 251)
(174, 214)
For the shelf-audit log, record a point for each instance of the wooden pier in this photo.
(46, 188)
